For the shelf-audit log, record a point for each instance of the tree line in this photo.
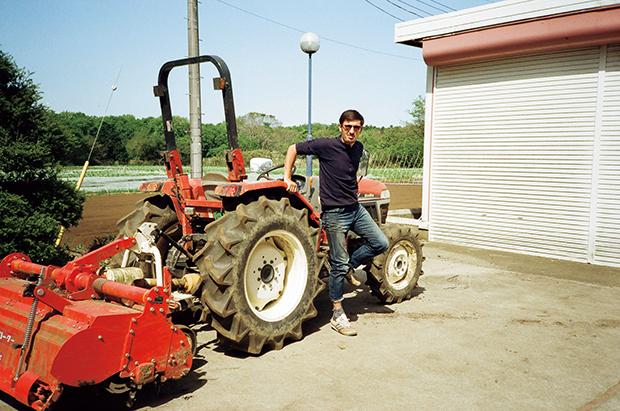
(126, 139)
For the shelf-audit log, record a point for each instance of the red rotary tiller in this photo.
(71, 326)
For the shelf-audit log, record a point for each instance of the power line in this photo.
(417, 8)
(261, 17)
(408, 11)
(441, 4)
(386, 12)
(342, 43)
(369, 50)
(445, 9)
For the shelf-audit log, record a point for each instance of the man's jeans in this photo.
(337, 222)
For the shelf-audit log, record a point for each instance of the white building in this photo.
(522, 139)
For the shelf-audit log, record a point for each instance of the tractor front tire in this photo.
(260, 273)
(393, 275)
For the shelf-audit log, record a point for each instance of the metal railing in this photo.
(396, 168)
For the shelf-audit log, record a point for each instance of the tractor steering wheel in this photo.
(265, 174)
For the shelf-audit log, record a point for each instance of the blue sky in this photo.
(76, 49)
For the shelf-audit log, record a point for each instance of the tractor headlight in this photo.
(385, 194)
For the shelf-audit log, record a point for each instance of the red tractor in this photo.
(248, 255)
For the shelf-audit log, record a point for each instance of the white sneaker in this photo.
(342, 325)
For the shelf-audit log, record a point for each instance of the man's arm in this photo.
(291, 156)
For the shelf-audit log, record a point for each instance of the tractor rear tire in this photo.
(393, 275)
(260, 273)
(157, 209)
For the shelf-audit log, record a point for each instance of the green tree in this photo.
(417, 112)
(33, 200)
(145, 148)
(182, 136)
(401, 146)
(78, 129)
(110, 147)
(214, 140)
(147, 142)
(259, 119)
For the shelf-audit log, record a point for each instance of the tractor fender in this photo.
(233, 194)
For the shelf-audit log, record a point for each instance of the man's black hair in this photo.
(351, 115)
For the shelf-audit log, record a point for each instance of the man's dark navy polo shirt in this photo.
(338, 169)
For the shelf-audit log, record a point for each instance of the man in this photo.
(340, 210)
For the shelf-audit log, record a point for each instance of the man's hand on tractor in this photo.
(290, 185)
(289, 161)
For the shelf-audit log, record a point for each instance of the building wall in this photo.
(606, 241)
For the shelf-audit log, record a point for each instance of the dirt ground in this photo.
(405, 196)
(101, 212)
(487, 330)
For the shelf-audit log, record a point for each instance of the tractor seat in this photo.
(210, 181)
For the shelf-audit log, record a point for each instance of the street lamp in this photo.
(309, 44)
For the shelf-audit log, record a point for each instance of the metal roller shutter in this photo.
(607, 224)
(513, 155)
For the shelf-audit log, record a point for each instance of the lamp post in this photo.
(309, 44)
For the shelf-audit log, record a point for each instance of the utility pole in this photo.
(195, 122)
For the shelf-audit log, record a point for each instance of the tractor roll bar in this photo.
(222, 83)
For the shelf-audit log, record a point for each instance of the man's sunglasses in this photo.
(348, 127)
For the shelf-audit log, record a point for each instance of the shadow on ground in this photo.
(358, 301)
(151, 395)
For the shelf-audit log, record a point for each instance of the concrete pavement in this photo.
(486, 331)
